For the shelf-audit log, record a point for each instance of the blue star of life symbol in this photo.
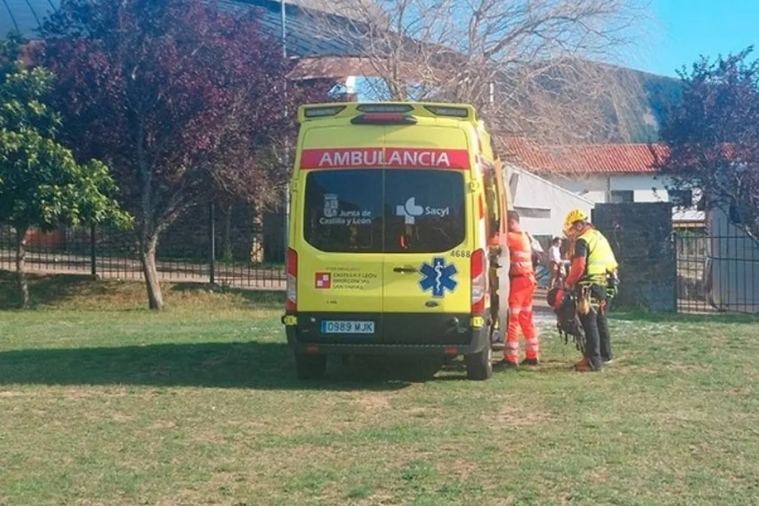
(438, 277)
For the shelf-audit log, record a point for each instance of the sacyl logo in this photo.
(410, 211)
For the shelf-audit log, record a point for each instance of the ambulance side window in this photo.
(343, 210)
(491, 199)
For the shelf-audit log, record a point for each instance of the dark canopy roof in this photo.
(25, 16)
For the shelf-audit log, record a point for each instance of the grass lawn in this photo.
(103, 402)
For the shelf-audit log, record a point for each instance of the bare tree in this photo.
(526, 64)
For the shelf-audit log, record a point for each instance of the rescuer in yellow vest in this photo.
(592, 277)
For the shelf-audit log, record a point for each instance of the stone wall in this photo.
(641, 236)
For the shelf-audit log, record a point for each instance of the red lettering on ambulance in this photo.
(343, 158)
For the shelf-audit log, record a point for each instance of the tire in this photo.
(310, 366)
(479, 366)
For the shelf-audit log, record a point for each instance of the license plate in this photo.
(347, 327)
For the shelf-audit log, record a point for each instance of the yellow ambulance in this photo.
(397, 237)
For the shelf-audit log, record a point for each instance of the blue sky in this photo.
(681, 30)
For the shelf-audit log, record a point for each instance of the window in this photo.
(492, 200)
(424, 210)
(681, 198)
(622, 196)
(398, 211)
(343, 210)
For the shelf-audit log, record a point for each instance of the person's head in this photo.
(576, 222)
(556, 241)
(512, 217)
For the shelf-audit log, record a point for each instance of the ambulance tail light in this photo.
(385, 108)
(292, 280)
(479, 281)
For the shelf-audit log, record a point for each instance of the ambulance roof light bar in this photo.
(323, 111)
(392, 111)
(442, 110)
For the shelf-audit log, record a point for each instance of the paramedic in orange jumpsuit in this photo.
(520, 297)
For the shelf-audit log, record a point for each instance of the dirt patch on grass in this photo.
(162, 425)
(458, 469)
(121, 418)
(382, 498)
(11, 394)
(373, 402)
(519, 416)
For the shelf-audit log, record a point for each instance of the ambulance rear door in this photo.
(340, 265)
(428, 238)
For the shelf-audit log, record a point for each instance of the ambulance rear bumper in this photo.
(395, 333)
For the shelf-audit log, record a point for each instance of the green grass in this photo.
(199, 404)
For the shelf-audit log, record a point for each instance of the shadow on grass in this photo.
(48, 289)
(266, 366)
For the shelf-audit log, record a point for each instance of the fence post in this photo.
(212, 241)
(93, 253)
(675, 255)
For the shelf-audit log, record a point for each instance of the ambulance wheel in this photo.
(479, 366)
(310, 366)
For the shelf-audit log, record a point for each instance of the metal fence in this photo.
(717, 272)
(225, 244)
(717, 267)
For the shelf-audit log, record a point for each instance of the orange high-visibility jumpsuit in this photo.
(520, 299)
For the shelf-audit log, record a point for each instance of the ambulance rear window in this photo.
(424, 210)
(394, 211)
(344, 210)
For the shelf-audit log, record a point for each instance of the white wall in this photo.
(646, 187)
(597, 188)
(537, 195)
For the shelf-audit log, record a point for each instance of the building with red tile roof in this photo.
(601, 173)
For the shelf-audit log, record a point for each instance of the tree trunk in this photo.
(147, 258)
(21, 281)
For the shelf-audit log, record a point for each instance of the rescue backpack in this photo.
(564, 304)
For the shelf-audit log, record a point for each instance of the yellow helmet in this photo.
(574, 216)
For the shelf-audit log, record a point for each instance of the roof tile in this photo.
(584, 158)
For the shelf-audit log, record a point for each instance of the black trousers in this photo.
(597, 339)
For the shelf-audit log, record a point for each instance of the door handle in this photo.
(405, 269)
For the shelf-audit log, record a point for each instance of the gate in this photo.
(717, 269)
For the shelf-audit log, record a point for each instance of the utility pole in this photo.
(285, 112)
